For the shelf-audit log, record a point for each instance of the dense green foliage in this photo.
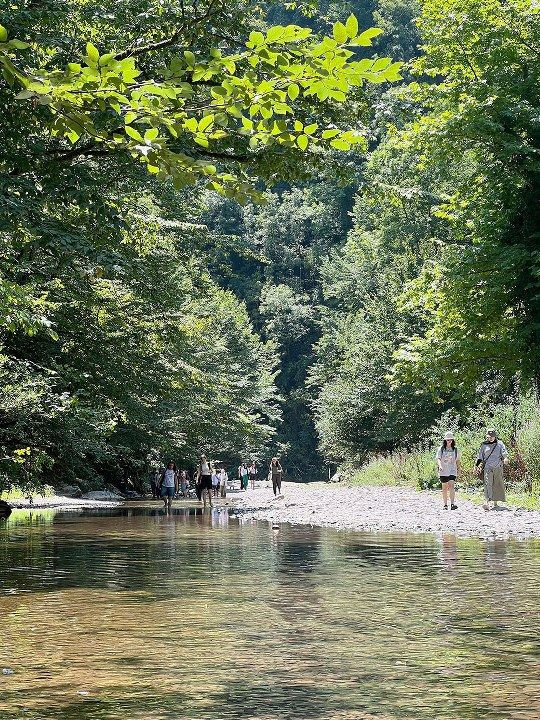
(121, 339)
(434, 301)
(270, 256)
(384, 282)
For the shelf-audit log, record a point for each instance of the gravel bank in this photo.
(383, 509)
(59, 501)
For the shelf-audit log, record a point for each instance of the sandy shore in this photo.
(383, 509)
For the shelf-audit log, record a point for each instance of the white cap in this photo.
(449, 435)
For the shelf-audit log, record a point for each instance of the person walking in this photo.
(169, 484)
(244, 475)
(184, 483)
(223, 480)
(276, 472)
(204, 479)
(215, 483)
(492, 456)
(155, 482)
(449, 467)
(252, 470)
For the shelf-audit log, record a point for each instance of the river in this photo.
(132, 614)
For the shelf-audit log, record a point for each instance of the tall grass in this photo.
(517, 426)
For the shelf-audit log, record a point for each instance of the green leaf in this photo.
(340, 145)
(133, 133)
(330, 133)
(219, 91)
(339, 31)
(92, 52)
(302, 141)
(310, 129)
(274, 33)
(106, 59)
(73, 136)
(151, 134)
(3, 34)
(24, 95)
(352, 26)
(381, 64)
(19, 45)
(367, 36)
(130, 117)
(190, 58)
(256, 38)
(293, 91)
(205, 122)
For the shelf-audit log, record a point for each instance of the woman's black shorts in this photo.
(206, 482)
(447, 478)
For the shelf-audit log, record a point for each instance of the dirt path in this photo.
(383, 509)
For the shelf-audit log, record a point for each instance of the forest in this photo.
(251, 229)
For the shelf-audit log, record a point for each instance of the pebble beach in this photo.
(383, 509)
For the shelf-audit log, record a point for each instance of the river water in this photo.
(133, 614)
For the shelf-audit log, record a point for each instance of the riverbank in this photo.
(60, 501)
(384, 509)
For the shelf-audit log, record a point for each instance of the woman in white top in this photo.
(449, 467)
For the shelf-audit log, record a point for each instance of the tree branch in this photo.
(168, 41)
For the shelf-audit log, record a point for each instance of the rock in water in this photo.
(5, 509)
(102, 495)
(71, 491)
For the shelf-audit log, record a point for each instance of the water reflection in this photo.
(135, 613)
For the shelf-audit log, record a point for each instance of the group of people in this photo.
(210, 480)
(247, 474)
(490, 461)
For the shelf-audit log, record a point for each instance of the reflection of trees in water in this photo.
(84, 549)
(295, 559)
(486, 615)
(407, 553)
(295, 624)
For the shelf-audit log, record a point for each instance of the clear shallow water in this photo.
(132, 614)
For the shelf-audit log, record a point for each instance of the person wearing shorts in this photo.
(449, 466)
(205, 480)
(169, 484)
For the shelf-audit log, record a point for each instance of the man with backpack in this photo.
(490, 461)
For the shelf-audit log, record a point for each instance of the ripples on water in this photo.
(133, 614)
